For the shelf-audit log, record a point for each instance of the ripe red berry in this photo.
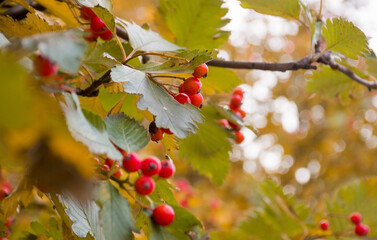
(118, 173)
(97, 25)
(182, 98)
(167, 169)
(235, 102)
(158, 135)
(45, 67)
(361, 229)
(324, 224)
(234, 126)
(181, 88)
(87, 13)
(131, 162)
(144, 185)
(355, 218)
(8, 223)
(191, 86)
(109, 162)
(4, 192)
(150, 166)
(240, 113)
(196, 99)
(167, 130)
(200, 71)
(224, 123)
(238, 91)
(163, 215)
(239, 137)
(105, 167)
(107, 35)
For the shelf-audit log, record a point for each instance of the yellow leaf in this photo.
(32, 24)
(94, 105)
(25, 4)
(170, 143)
(61, 10)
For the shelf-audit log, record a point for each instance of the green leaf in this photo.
(345, 38)
(92, 3)
(53, 231)
(84, 215)
(196, 23)
(67, 48)
(180, 119)
(126, 133)
(147, 40)
(372, 66)
(211, 154)
(163, 193)
(289, 9)
(88, 129)
(159, 232)
(106, 16)
(220, 80)
(193, 59)
(115, 213)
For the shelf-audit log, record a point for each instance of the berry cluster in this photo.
(189, 90)
(5, 190)
(44, 67)
(235, 106)
(97, 27)
(157, 133)
(355, 218)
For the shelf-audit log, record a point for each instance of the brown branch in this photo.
(92, 90)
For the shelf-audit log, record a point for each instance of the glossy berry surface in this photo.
(196, 99)
(182, 98)
(235, 102)
(105, 167)
(191, 86)
(239, 137)
(118, 173)
(4, 192)
(238, 91)
(150, 166)
(107, 35)
(131, 162)
(200, 71)
(324, 224)
(361, 230)
(234, 126)
(158, 135)
(144, 185)
(240, 113)
(98, 25)
(163, 215)
(45, 67)
(355, 218)
(87, 13)
(167, 169)
(167, 131)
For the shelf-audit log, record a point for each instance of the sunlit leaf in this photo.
(281, 8)
(211, 83)
(61, 10)
(21, 195)
(53, 231)
(180, 119)
(344, 37)
(185, 20)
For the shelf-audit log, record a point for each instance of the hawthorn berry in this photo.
(167, 169)
(239, 137)
(182, 98)
(163, 215)
(118, 173)
(5, 191)
(131, 162)
(87, 13)
(235, 102)
(234, 126)
(157, 136)
(150, 166)
(361, 230)
(240, 113)
(109, 162)
(144, 185)
(45, 67)
(355, 218)
(180, 89)
(105, 167)
(191, 86)
(107, 35)
(200, 71)
(167, 131)
(224, 123)
(98, 25)
(8, 222)
(238, 91)
(196, 99)
(324, 224)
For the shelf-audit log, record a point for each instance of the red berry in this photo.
(131, 162)
(8, 223)
(196, 99)
(191, 86)
(361, 230)
(158, 135)
(109, 162)
(239, 137)
(163, 215)
(200, 71)
(355, 218)
(235, 102)
(144, 185)
(240, 113)
(87, 13)
(238, 91)
(224, 123)
(97, 25)
(182, 98)
(167, 169)
(150, 166)
(107, 35)
(44, 67)
(105, 167)
(234, 126)
(181, 88)
(118, 173)
(4, 192)
(167, 130)
(324, 224)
